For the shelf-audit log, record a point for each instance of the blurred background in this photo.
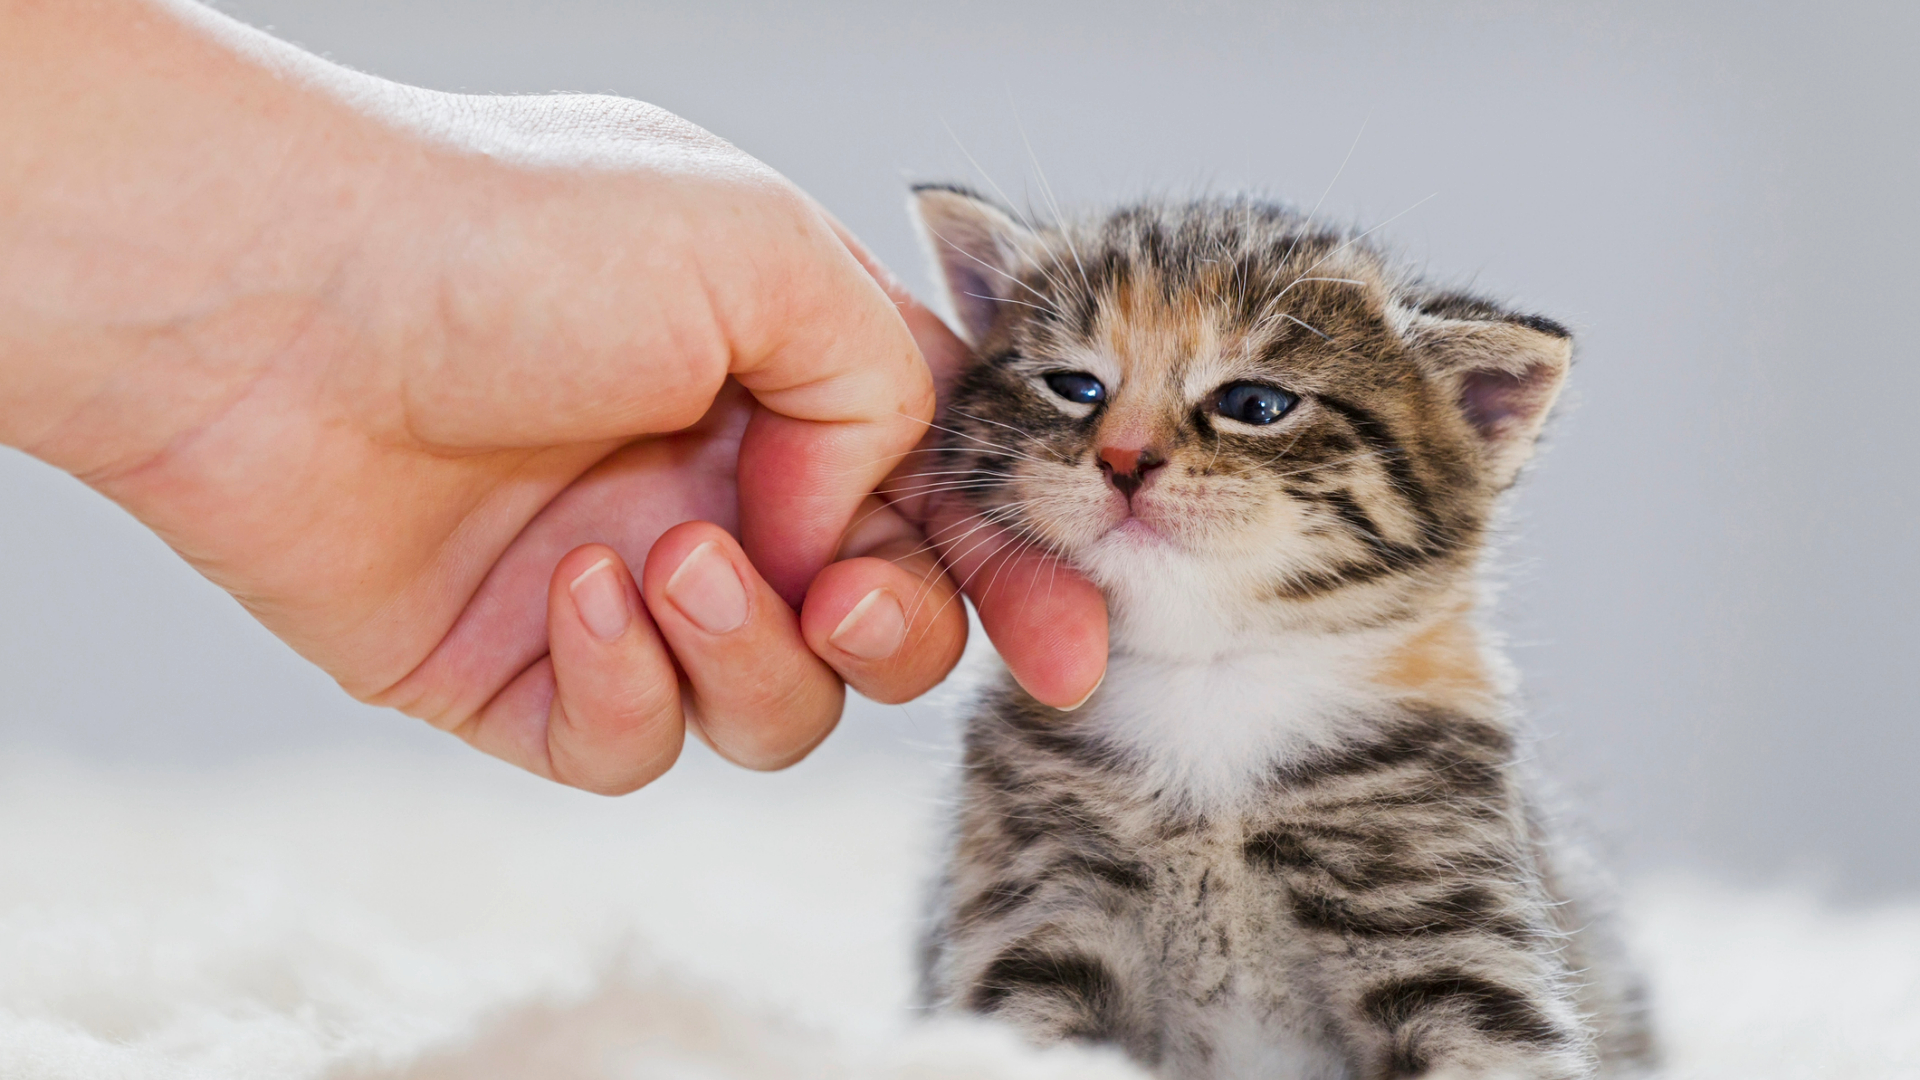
(1712, 586)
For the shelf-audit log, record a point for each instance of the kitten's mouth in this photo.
(1134, 530)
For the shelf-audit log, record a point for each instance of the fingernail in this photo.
(1090, 693)
(601, 599)
(874, 629)
(707, 590)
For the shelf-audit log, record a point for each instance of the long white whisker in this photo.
(943, 485)
(959, 555)
(985, 443)
(1004, 545)
(944, 472)
(1307, 225)
(997, 270)
(1297, 322)
(984, 520)
(1009, 427)
(1354, 241)
(1047, 190)
(999, 567)
(1024, 219)
(1010, 300)
(984, 175)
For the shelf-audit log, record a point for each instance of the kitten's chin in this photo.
(1134, 531)
(1130, 547)
(1133, 543)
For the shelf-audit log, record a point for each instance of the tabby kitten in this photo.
(1288, 835)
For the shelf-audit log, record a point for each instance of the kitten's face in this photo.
(1203, 406)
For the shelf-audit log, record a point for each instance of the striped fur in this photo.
(1288, 835)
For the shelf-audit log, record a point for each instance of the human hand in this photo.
(375, 360)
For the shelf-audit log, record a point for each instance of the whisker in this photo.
(1297, 322)
(1353, 241)
(1307, 225)
(959, 555)
(1304, 469)
(979, 521)
(1022, 218)
(948, 472)
(984, 175)
(1047, 190)
(997, 270)
(1010, 300)
(983, 442)
(1000, 565)
(1011, 540)
(944, 485)
(1009, 427)
(937, 449)
(1291, 443)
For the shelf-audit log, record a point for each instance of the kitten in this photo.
(1288, 835)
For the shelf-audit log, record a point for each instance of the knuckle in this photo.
(616, 745)
(778, 724)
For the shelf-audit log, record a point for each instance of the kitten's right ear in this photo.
(977, 249)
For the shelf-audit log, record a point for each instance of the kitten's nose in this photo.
(1127, 469)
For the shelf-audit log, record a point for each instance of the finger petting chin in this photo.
(759, 696)
(1048, 623)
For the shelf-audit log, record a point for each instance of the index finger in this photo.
(945, 354)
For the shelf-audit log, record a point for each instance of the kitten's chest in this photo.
(1218, 929)
(1229, 964)
(1208, 733)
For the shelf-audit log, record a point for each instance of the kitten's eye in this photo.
(1254, 403)
(1077, 386)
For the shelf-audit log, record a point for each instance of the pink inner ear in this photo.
(972, 294)
(1493, 400)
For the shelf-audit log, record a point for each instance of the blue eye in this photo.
(1254, 403)
(1077, 386)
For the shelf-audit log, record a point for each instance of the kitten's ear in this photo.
(977, 249)
(1505, 373)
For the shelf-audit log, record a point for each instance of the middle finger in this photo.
(754, 690)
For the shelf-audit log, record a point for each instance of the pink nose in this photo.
(1127, 467)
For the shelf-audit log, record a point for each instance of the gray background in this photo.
(1712, 588)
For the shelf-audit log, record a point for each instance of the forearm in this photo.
(177, 193)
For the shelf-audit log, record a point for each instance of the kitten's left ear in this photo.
(1505, 374)
(977, 250)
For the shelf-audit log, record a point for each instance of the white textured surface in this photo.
(425, 918)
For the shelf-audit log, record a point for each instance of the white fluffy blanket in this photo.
(403, 915)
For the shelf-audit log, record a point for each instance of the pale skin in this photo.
(556, 422)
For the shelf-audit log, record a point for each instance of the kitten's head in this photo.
(1228, 418)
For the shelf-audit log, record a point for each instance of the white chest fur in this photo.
(1207, 729)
